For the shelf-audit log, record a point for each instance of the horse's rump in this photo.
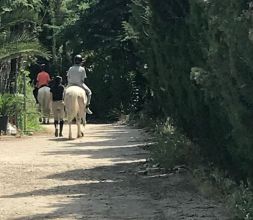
(75, 100)
(45, 100)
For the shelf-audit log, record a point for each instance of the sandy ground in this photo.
(95, 177)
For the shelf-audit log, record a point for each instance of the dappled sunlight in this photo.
(114, 147)
(90, 178)
(98, 185)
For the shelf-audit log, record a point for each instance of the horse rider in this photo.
(76, 76)
(42, 79)
(57, 91)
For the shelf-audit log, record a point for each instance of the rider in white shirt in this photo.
(76, 76)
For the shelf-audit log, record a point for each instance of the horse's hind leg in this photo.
(78, 128)
(83, 125)
(48, 115)
(79, 133)
(70, 132)
(84, 120)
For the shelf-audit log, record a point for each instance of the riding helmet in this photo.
(78, 59)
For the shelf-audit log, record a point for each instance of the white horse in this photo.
(45, 103)
(75, 100)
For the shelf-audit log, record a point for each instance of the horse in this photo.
(75, 100)
(45, 103)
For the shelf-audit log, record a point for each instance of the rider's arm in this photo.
(48, 78)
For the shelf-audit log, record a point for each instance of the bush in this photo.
(11, 104)
(241, 202)
(173, 148)
(238, 197)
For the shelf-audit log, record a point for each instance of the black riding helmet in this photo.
(78, 59)
(58, 79)
(42, 67)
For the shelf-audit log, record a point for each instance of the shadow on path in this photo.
(116, 192)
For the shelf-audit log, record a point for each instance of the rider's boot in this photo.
(88, 104)
(88, 110)
(56, 128)
(61, 127)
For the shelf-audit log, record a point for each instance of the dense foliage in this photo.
(199, 71)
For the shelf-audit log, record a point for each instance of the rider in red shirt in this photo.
(42, 79)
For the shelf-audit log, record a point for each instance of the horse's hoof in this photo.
(80, 135)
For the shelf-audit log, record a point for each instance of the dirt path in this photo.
(42, 177)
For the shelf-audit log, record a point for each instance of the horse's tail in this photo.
(71, 105)
(45, 101)
(49, 103)
(82, 105)
(75, 102)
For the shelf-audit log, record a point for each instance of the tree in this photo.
(96, 34)
(18, 21)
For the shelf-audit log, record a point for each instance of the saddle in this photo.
(44, 86)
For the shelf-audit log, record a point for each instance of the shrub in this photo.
(11, 104)
(172, 148)
(241, 202)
